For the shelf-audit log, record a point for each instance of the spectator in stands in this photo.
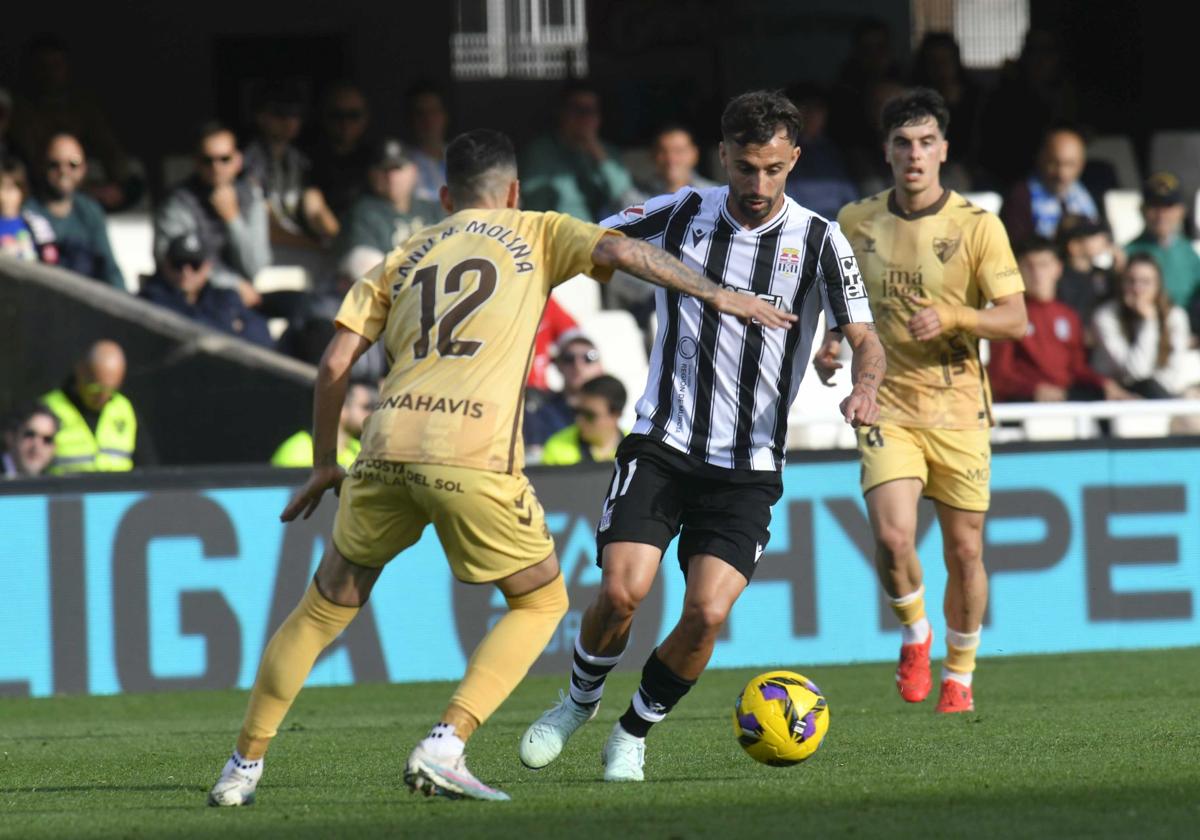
(79, 223)
(311, 329)
(49, 103)
(1034, 93)
(1090, 265)
(99, 431)
(1163, 238)
(298, 214)
(297, 451)
(595, 434)
(181, 284)
(1050, 363)
(556, 322)
(1035, 206)
(546, 412)
(866, 162)
(24, 234)
(29, 442)
(342, 154)
(870, 62)
(820, 180)
(938, 65)
(427, 121)
(1142, 338)
(7, 149)
(227, 213)
(388, 213)
(675, 156)
(572, 170)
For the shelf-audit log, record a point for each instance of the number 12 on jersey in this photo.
(445, 342)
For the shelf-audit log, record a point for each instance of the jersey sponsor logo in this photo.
(789, 261)
(688, 347)
(945, 247)
(697, 235)
(855, 287)
(774, 300)
(433, 404)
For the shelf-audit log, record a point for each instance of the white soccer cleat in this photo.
(436, 776)
(623, 756)
(546, 736)
(237, 783)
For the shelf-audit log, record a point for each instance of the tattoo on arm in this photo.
(869, 364)
(655, 266)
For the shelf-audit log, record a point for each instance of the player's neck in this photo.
(916, 202)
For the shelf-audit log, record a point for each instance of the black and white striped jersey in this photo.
(718, 389)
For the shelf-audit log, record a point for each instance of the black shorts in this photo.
(658, 492)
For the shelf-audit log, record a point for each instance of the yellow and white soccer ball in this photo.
(780, 718)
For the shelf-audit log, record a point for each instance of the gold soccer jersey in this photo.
(457, 307)
(952, 252)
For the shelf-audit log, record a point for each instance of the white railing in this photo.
(1132, 418)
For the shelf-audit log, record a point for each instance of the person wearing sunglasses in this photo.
(577, 360)
(227, 212)
(182, 285)
(595, 434)
(342, 153)
(99, 431)
(29, 442)
(79, 222)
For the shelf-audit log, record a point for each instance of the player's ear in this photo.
(795, 157)
(444, 197)
(945, 150)
(721, 155)
(514, 195)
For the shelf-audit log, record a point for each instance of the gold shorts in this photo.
(953, 464)
(491, 525)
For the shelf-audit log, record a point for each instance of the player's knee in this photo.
(964, 556)
(704, 620)
(617, 602)
(895, 541)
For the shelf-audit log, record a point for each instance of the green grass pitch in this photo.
(1092, 745)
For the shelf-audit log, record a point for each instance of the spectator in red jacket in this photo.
(556, 322)
(1050, 363)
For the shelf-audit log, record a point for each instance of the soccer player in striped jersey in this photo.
(704, 458)
(933, 262)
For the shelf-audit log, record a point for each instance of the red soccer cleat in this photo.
(955, 697)
(912, 674)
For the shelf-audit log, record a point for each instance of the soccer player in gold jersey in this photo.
(457, 307)
(932, 262)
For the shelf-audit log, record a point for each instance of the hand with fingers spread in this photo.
(750, 309)
(934, 319)
(825, 362)
(308, 497)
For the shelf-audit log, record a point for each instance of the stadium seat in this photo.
(1178, 152)
(131, 235)
(580, 296)
(1124, 211)
(619, 341)
(989, 201)
(1117, 151)
(282, 278)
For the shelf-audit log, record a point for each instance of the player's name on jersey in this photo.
(433, 404)
(517, 247)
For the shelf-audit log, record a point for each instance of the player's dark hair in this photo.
(670, 127)
(26, 412)
(12, 168)
(422, 87)
(609, 388)
(757, 116)
(914, 107)
(474, 159)
(1034, 245)
(211, 129)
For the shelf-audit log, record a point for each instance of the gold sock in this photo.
(960, 651)
(909, 608)
(285, 665)
(506, 654)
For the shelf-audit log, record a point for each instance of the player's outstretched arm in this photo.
(656, 266)
(1005, 319)
(867, 368)
(329, 393)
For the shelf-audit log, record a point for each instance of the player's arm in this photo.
(656, 266)
(1006, 319)
(329, 393)
(867, 368)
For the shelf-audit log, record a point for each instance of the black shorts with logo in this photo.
(658, 492)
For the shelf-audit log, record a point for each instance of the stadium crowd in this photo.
(317, 189)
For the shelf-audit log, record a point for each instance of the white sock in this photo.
(443, 743)
(915, 633)
(252, 769)
(961, 679)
